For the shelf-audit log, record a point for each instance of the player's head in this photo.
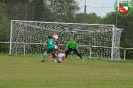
(55, 33)
(71, 38)
(49, 37)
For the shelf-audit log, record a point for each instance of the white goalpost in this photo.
(95, 40)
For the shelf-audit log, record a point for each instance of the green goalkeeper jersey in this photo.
(50, 43)
(72, 44)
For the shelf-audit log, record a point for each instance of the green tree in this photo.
(110, 18)
(13, 1)
(88, 18)
(65, 10)
(4, 29)
(4, 25)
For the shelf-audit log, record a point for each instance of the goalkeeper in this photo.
(72, 46)
(50, 43)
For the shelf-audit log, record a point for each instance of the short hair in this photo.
(49, 37)
(56, 32)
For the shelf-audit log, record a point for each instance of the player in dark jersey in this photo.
(50, 43)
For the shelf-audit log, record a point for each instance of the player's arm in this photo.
(59, 44)
(55, 41)
(67, 45)
(45, 44)
(76, 45)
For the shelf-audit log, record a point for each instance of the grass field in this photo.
(29, 72)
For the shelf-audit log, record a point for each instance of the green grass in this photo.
(29, 72)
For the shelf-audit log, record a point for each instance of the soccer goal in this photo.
(95, 40)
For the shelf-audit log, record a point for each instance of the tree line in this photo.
(60, 11)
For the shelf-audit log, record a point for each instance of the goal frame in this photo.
(113, 31)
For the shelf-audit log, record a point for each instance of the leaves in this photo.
(61, 11)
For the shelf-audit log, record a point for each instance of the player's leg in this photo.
(68, 52)
(53, 55)
(56, 56)
(75, 50)
(44, 58)
(63, 58)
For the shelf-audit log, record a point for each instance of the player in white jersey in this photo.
(61, 56)
(56, 37)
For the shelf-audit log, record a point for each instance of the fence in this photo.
(48, 12)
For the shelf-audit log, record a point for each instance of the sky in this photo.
(100, 7)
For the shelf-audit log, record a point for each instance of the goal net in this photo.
(94, 40)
